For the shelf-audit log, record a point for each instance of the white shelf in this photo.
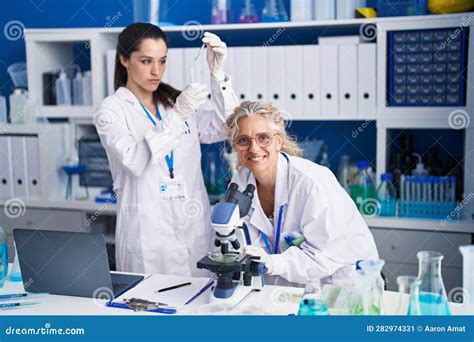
(82, 32)
(420, 224)
(67, 111)
(85, 206)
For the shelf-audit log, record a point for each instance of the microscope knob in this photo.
(217, 242)
(236, 244)
(247, 279)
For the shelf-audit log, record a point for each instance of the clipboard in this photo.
(147, 290)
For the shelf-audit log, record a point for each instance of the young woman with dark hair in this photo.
(152, 134)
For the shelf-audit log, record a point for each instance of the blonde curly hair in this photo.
(275, 120)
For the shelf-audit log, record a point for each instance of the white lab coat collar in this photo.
(126, 94)
(258, 218)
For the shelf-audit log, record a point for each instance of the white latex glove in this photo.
(190, 99)
(264, 257)
(216, 55)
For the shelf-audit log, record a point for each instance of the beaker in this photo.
(366, 296)
(428, 297)
(404, 290)
(468, 273)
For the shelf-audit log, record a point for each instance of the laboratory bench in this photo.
(271, 300)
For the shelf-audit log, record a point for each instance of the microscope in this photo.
(237, 274)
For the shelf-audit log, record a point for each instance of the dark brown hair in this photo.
(129, 41)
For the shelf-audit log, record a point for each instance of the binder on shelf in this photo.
(294, 80)
(242, 76)
(329, 80)
(347, 80)
(6, 172)
(110, 65)
(367, 80)
(174, 68)
(33, 168)
(19, 166)
(276, 76)
(259, 66)
(311, 81)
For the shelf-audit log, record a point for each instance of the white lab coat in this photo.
(316, 206)
(152, 235)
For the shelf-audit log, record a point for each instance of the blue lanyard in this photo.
(277, 239)
(170, 157)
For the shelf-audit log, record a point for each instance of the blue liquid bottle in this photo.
(312, 303)
(387, 195)
(428, 296)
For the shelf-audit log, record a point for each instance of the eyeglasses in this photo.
(262, 139)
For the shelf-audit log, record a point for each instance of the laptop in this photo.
(68, 263)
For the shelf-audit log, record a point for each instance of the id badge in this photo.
(173, 189)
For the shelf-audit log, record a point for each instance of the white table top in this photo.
(274, 300)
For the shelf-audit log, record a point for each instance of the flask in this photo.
(428, 297)
(312, 303)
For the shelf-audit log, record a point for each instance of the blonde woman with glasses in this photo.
(301, 218)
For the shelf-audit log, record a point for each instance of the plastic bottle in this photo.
(3, 110)
(77, 93)
(363, 187)
(248, 13)
(301, 10)
(343, 172)
(221, 12)
(4, 251)
(312, 303)
(18, 106)
(63, 89)
(274, 11)
(419, 170)
(387, 195)
(87, 88)
(15, 274)
(325, 157)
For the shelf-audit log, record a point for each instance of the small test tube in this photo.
(452, 188)
(409, 193)
(435, 194)
(402, 195)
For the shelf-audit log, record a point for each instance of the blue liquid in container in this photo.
(313, 307)
(431, 304)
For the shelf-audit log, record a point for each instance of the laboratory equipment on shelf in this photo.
(248, 13)
(4, 250)
(366, 296)
(155, 12)
(405, 283)
(428, 296)
(63, 89)
(468, 273)
(428, 197)
(221, 12)
(20, 110)
(387, 195)
(237, 273)
(77, 84)
(312, 303)
(362, 189)
(343, 172)
(274, 11)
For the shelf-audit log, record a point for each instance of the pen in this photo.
(19, 295)
(169, 311)
(174, 287)
(13, 305)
